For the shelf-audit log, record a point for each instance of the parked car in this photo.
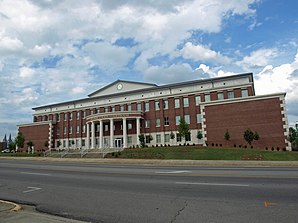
(5, 151)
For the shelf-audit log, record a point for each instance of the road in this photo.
(144, 193)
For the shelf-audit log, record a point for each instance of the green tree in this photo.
(142, 140)
(293, 137)
(199, 135)
(249, 136)
(227, 135)
(183, 129)
(12, 145)
(172, 135)
(20, 140)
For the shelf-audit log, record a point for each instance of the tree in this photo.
(199, 135)
(30, 144)
(227, 135)
(183, 129)
(20, 140)
(249, 136)
(12, 145)
(58, 143)
(172, 135)
(293, 137)
(142, 140)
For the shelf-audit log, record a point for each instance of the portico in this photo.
(108, 120)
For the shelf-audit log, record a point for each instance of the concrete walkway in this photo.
(14, 213)
(160, 162)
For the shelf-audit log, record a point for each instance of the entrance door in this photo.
(118, 143)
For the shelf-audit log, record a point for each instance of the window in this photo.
(244, 93)
(148, 138)
(77, 142)
(165, 104)
(199, 118)
(91, 112)
(188, 137)
(98, 110)
(129, 139)
(166, 120)
(187, 119)
(106, 127)
(177, 103)
(64, 130)
(84, 128)
(167, 138)
(147, 123)
(58, 117)
(198, 100)
(70, 116)
(84, 114)
(106, 109)
(157, 105)
(157, 122)
(220, 96)
(230, 94)
(177, 120)
(158, 138)
(64, 143)
(185, 102)
(78, 115)
(65, 116)
(78, 129)
(122, 108)
(97, 128)
(178, 137)
(207, 97)
(129, 107)
(113, 108)
(129, 125)
(83, 142)
(70, 129)
(146, 106)
(139, 107)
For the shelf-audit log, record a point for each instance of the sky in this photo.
(58, 50)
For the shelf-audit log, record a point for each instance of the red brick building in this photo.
(115, 115)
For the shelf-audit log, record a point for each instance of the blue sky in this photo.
(58, 50)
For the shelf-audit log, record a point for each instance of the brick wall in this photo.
(38, 134)
(263, 116)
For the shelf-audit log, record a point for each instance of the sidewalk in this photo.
(14, 213)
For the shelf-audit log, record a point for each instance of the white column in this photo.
(111, 133)
(88, 136)
(124, 127)
(138, 130)
(100, 134)
(92, 135)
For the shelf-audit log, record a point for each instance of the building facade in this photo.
(115, 116)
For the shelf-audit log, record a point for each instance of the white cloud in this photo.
(9, 44)
(258, 58)
(202, 53)
(26, 72)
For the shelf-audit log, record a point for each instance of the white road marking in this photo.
(177, 171)
(213, 184)
(39, 174)
(31, 189)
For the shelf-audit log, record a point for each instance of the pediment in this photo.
(121, 86)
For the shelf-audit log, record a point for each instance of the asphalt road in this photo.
(143, 193)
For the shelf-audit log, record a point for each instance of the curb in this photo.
(16, 208)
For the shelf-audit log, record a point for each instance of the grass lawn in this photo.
(21, 154)
(199, 153)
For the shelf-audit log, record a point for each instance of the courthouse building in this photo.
(115, 116)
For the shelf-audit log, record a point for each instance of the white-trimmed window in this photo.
(113, 108)
(64, 130)
(177, 120)
(187, 119)
(58, 117)
(84, 114)
(230, 94)
(165, 104)
(198, 100)
(167, 138)
(199, 118)
(178, 137)
(106, 127)
(84, 128)
(106, 109)
(129, 107)
(207, 97)
(166, 121)
(157, 105)
(78, 115)
(147, 123)
(65, 116)
(129, 139)
(129, 125)
(91, 112)
(78, 129)
(177, 103)
(70, 129)
(157, 122)
(185, 102)
(70, 116)
(122, 108)
(220, 96)
(147, 106)
(139, 107)
(244, 93)
(158, 138)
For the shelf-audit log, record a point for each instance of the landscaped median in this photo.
(203, 153)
